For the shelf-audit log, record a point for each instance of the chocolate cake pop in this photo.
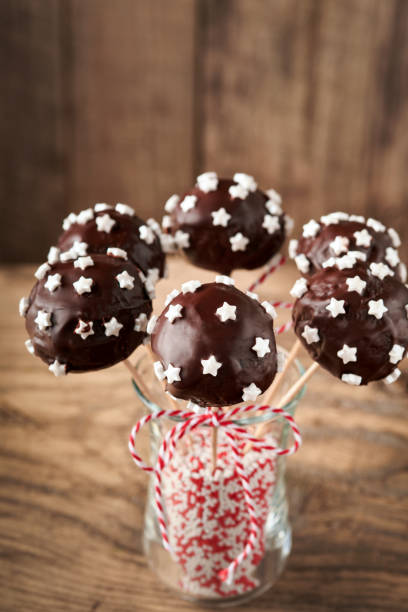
(224, 224)
(215, 344)
(86, 314)
(345, 239)
(95, 229)
(353, 322)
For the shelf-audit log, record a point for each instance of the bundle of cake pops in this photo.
(213, 347)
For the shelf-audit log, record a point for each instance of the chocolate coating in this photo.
(106, 300)
(210, 247)
(318, 250)
(124, 235)
(373, 338)
(200, 333)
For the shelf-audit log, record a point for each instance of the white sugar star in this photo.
(392, 257)
(356, 284)
(172, 374)
(261, 346)
(182, 239)
(299, 288)
(171, 203)
(125, 280)
(396, 240)
(238, 191)
(151, 324)
(289, 224)
(380, 270)
(363, 238)
(84, 329)
(346, 262)
(190, 286)
(68, 221)
(311, 229)
(146, 234)
(42, 271)
(84, 262)
(250, 393)
(112, 327)
(339, 245)
(166, 222)
(274, 196)
(53, 255)
(80, 249)
(336, 307)
(351, 379)
(188, 203)
(83, 285)
(252, 295)
(245, 180)
(211, 365)
(347, 353)
(273, 207)
(124, 209)
(226, 312)
(302, 263)
(84, 216)
(391, 378)
(329, 263)
(104, 223)
(101, 206)
(225, 280)
(29, 346)
(23, 306)
(239, 242)
(333, 218)
(377, 308)
(396, 353)
(311, 334)
(271, 224)
(140, 322)
(403, 272)
(43, 319)
(57, 368)
(376, 225)
(220, 217)
(267, 306)
(115, 252)
(293, 245)
(171, 296)
(153, 275)
(357, 218)
(207, 181)
(174, 312)
(53, 282)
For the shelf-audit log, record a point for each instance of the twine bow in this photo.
(236, 435)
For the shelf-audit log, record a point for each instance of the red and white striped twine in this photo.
(235, 435)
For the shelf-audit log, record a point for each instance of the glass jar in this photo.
(205, 508)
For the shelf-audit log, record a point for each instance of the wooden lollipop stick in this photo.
(280, 376)
(214, 444)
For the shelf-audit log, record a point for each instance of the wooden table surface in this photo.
(71, 501)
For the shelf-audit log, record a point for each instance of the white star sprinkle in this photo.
(141, 322)
(84, 216)
(346, 261)
(83, 285)
(293, 245)
(357, 218)
(395, 239)
(29, 346)
(101, 206)
(289, 224)
(225, 280)
(271, 224)
(53, 255)
(151, 324)
(299, 288)
(310, 334)
(269, 309)
(125, 280)
(238, 191)
(377, 308)
(211, 365)
(153, 276)
(79, 248)
(172, 374)
(329, 263)
(334, 218)
(84, 262)
(104, 223)
(336, 307)
(182, 239)
(174, 312)
(252, 295)
(261, 346)
(245, 180)
(226, 312)
(58, 369)
(23, 306)
(42, 271)
(84, 329)
(188, 203)
(112, 327)
(380, 270)
(115, 252)
(391, 378)
(310, 229)
(356, 284)
(68, 221)
(274, 196)
(124, 209)
(146, 234)
(402, 271)
(53, 282)
(376, 225)
(171, 203)
(154, 225)
(339, 245)
(207, 181)
(239, 242)
(302, 263)
(347, 353)
(392, 257)
(396, 353)
(43, 320)
(220, 217)
(250, 393)
(166, 222)
(159, 370)
(273, 207)
(173, 294)
(190, 286)
(363, 238)
(351, 379)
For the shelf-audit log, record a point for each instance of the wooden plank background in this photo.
(128, 100)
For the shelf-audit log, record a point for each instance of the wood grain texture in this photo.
(312, 98)
(71, 501)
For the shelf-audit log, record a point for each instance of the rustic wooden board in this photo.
(71, 501)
